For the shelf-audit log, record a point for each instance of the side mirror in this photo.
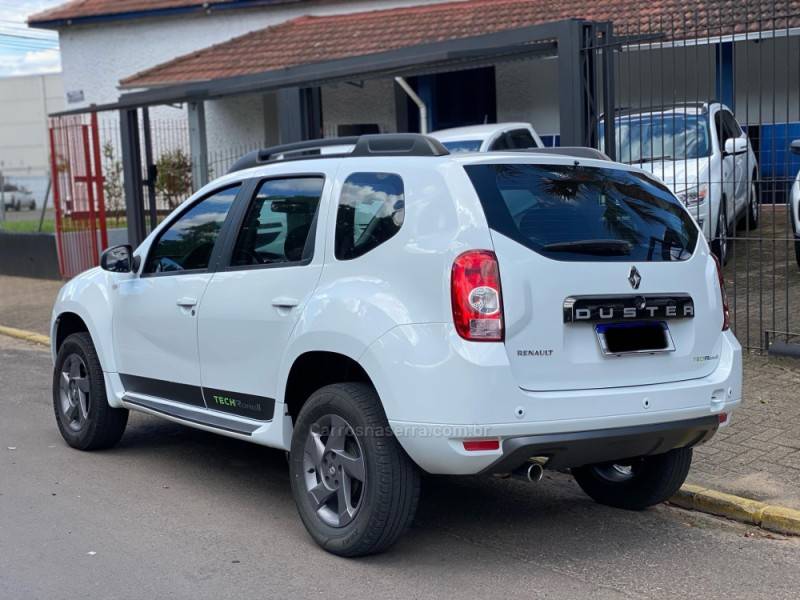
(118, 259)
(795, 147)
(736, 145)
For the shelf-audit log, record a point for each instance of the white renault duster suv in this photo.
(397, 309)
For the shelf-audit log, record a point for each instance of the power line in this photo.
(24, 48)
(25, 37)
(9, 44)
(23, 34)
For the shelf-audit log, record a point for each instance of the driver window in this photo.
(731, 126)
(720, 127)
(502, 143)
(187, 243)
(278, 225)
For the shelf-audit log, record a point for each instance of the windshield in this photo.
(660, 136)
(463, 146)
(576, 213)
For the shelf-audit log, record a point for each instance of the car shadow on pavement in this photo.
(546, 519)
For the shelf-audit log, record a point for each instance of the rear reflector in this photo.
(478, 445)
(723, 417)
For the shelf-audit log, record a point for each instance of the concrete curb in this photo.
(772, 518)
(21, 334)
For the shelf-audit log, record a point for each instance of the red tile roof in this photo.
(309, 39)
(77, 10)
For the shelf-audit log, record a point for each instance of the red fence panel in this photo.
(78, 196)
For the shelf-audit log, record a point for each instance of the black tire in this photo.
(721, 244)
(387, 497)
(797, 250)
(753, 207)
(652, 480)
(99, 425)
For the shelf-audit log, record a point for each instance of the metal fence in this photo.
(710, 104)
(707, 101)
(78, 195)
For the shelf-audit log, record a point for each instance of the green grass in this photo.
(49, 225)
(31, 226)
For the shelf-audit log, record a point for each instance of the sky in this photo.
(25, 51)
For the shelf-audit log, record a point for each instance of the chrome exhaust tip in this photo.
(535, 472)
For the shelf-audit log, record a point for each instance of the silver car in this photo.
(703, 155)
(794, 205)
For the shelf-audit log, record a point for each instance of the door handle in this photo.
(186, 302)
(285, 302)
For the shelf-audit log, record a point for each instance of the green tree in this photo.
(112, 183)
(174, 178)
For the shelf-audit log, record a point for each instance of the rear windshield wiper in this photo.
(596, 247)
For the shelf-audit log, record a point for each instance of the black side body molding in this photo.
(191, 416)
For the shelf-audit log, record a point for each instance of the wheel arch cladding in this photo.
(315, 369)
(68, 323)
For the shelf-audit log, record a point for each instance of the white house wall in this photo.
(25, 102)
(95, 58)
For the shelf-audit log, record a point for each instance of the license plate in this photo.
(636, 337)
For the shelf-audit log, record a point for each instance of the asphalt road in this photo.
(176, 513)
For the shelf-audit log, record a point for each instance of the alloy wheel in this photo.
(74, 392)
(334, 470)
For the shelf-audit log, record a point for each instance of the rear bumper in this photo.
(437, 394)
(586, 447)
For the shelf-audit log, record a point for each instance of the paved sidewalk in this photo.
(757, 456)
(26, 303)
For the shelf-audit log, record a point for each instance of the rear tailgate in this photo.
(604, 239)
(547, 353)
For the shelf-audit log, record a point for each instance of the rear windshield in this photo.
(580, 213)
(463, 146)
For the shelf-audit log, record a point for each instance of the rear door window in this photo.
(576, 213)
(278, 228)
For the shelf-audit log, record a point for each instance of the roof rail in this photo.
(574, 151)
(382, 144)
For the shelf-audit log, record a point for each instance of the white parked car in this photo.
(486, 138)
(18, 198)
(400, 309)
(794, 205)
(701, 152)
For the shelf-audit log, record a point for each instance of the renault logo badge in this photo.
(634, 278)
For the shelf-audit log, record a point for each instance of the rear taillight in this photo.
(477, 297)
(726, 313)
